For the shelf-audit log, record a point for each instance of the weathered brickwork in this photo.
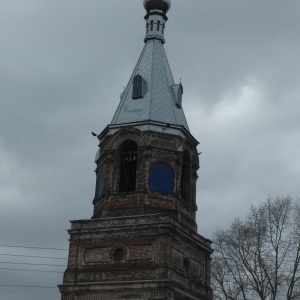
(141, 240)
(131, 293)
(152, 148)
(156, 249)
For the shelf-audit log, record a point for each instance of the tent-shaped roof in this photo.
(159, 98)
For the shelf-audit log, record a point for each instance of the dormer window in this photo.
(178, 91)
(137, 90)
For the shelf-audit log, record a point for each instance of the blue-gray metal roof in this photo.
(158, 101)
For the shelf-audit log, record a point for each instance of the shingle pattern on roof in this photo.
(158, 102)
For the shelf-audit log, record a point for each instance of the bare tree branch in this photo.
(259, 257)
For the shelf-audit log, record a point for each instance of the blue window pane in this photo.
(101, 183)
(137, 90)
(161, 178)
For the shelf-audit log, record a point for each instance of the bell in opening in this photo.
(128, 167)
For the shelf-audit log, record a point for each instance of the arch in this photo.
(151, 25)
(185, 175)
(123, 135)
(161, 178)
(128, 166)
(101, 183)
(137, 90)
(158, 26)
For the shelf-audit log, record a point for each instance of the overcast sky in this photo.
(63, 65)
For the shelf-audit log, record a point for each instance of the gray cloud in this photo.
(63, 66)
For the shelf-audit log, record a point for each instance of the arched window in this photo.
(128, 167)
(185, 176)
(137, 90)
(151, 25)
(161, 178)
(101, 183)
(158, 26)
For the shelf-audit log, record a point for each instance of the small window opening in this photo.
(185, 176)
(151, 25)
(186, 263)
(158, 26)
(137, 90)
(119, 254)
(128, 167)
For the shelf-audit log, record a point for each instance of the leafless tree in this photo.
(259, 257)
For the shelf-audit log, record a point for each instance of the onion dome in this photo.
(163, 5)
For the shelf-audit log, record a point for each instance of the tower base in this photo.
(136, 257)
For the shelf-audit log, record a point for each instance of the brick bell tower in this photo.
(142, 241)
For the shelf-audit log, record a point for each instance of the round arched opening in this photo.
(128, 159)
(119, 254)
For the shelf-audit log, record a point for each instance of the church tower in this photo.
(142, 241)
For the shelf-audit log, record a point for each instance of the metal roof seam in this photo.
(127, 89)
(166, 64)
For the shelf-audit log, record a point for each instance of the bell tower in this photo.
(142, 241)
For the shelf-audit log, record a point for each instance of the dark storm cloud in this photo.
(63, 66)
(233, 40)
